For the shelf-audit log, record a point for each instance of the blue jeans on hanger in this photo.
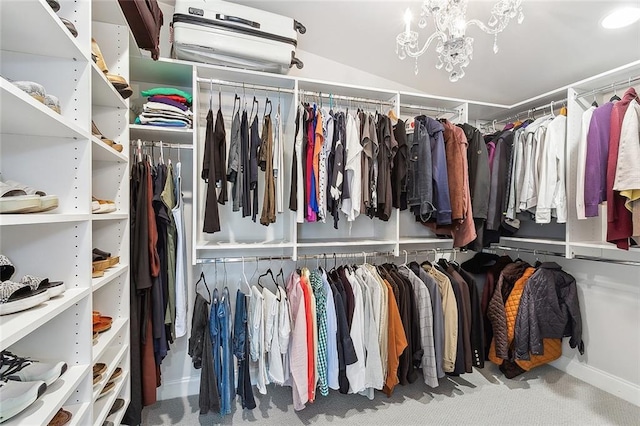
(227, 377)
(214, 329)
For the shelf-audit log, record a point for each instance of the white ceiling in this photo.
(558, 43)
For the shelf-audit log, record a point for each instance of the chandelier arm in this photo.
(431, 38)
(489, 30)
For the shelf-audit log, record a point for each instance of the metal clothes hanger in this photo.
(202, 278)
(246, 282)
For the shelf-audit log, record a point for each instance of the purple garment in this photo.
(491, 149)
(168, 101)
(595, 179)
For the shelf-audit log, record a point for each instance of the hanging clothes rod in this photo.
(240, 259)
(246, 86)
(428, 108)
(346, 98)
(532, 110)
(162, 144)
(611, 86)
(523, 250)
(599, 259)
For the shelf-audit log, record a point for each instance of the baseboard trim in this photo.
(601, 379)
(179, 388)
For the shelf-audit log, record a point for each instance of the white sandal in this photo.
(16, 200)
(47, 202)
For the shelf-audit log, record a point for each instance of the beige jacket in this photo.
(450, 310)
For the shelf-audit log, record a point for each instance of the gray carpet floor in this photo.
(544, 396)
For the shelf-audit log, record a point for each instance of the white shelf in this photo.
(32, 27)
(23, 115)
(78, 413)
(109, 216)
(345, 243)
(39, 218)
(102, 91)
(105, 339)
(107, 11)
(112, 358)
(109, 275)
(540, 241)
(103, 405)
(43, 410)
(428, 240)
(16, 326)
(100, 151)
(212, 245)
(156, 133)
(604, 251)
(117, 417)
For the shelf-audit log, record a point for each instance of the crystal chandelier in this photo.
(454, 47)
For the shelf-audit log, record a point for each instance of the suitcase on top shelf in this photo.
(223, 33)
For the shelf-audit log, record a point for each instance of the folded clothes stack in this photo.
(166, 107)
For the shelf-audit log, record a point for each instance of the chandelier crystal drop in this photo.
(453, 46)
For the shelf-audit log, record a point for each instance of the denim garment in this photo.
(224, 331)
(441, 198)
(241, 351)
(420, 172)
(214, 329)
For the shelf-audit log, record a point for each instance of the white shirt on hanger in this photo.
(352, 170)
(582, 161)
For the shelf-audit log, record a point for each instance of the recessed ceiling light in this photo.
(622, 17)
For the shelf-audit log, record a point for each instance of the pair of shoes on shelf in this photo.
(61, 418)
(101, 323)
(110, 386)
(99, 206)
(118, 403)
(38, 92)
(102, 260)
(23, 381)
(118, 82)
(55, 6)
(30, 291)
(16, 197)
(107, 141)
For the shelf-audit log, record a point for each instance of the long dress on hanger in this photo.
(181, 257)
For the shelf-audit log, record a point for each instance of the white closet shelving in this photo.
(240, 236)
(57, 153)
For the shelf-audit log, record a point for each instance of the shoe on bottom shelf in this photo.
(17, 396)
(21, 369)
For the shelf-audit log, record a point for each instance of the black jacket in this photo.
(549, 308)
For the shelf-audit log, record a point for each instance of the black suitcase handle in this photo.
(237, 20)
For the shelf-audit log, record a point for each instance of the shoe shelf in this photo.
(166, 134)
(16, 326)
(112, 358)
(117, 417)
(44, 34)
(40, 218)
(110, 216)
(24, 115)
(78, 413)
(107, 338)
(109, 275)
(43, 410)
(603, 250)
(102, 406)
(102, 91)
(100, 151)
